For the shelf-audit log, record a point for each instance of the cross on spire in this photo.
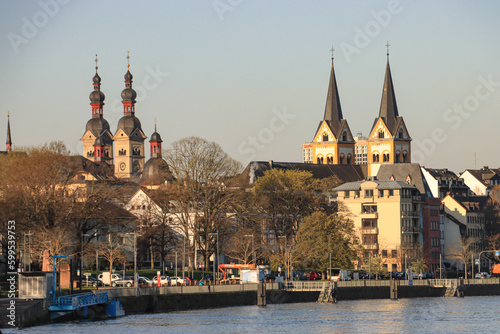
(332, 50)
(128, 59)
(387, 46)
(96, 60)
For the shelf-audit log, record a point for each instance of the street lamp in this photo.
(81, 259)
(253, 249)
(215, 277)
(288, 269)
(183, 257)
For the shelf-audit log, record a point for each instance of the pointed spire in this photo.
(9, 139)
(128, 94)
(155, 144)
(388, 105)
(97, 97)
(333, 110)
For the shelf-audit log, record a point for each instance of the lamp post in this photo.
(217, 257)
(183, 257)
(253, 249)
(81, 260)
(176, 263)
(288, 269)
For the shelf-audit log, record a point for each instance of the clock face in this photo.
(122, 166)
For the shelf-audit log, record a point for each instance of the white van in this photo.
(339, 275)
(108, 279)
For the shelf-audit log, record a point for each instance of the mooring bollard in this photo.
(261, 294)
(394, 289)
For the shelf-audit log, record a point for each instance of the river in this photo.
(419, 315)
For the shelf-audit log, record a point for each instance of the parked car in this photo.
(176, 280)
(144, 281)
(91, 281)
(482, 275)
(127, 281)
(164, 280)
(312, 276)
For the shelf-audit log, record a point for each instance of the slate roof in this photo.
(400, 171)
(380, 185)
(256, 169)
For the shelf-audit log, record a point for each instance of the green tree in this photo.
(320, 235)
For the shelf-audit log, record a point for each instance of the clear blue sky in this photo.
(223, 70)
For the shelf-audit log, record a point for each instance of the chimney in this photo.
(271, 164)
(485, 168)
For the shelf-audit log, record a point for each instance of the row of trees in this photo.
(283, 215)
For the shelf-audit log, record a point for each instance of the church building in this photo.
(333, 143)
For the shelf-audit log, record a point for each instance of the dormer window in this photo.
(381, 134)
(325, 137)
(344, 136)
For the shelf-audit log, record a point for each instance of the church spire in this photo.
(128, 94)
(388, 106)
(155, 144)
(9, 139)
(333, 110)
(97, 97)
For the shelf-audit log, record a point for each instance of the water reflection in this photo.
(422, 315)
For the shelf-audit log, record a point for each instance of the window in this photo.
(394, 267)
(325, 137)
(434, 242)
(381, 134)
(384, 253)
(369, 223)
(344, 136)
(434, 226)
(380, 193)
(346, 194)
(405, 155)
(368, 193)
(394, 253)
(369, 208)
(434, 212)
(319, 160)
(357, 194)
(329, 160)
(341, 159)
(397, 157)
(391, 192)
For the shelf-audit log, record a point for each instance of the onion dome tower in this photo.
(129, 137)
(97, 126)
(156, 170)
(8, 143)
(389, 141)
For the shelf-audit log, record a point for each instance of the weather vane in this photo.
(387, 45)
(128, 59)
(96, 60)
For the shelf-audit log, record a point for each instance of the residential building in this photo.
(442, 182)
(387, 215)
(481, 181)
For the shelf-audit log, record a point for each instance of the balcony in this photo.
(371, 247)
(410, 214)
(411, 229)
(410, 245)
(369, 215)
(418, 199)
(369, 230)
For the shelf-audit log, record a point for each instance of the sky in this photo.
(253, 75)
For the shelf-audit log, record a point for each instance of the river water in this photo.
(419, 315)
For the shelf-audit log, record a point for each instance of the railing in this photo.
(72, 302)
(411, 229)
(369, 230)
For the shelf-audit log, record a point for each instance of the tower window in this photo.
(325, 137)
(329, 160)
(397, 157)
(405, 157)
(344, 136)
(319, 160)
(381, 134)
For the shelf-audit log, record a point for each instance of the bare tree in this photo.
(112, 250)
(203, 202)
(464, 251)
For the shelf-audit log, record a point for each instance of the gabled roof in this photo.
(401, 171)
(256, 169)
(441, 173)
(484, 175)
(470, 203)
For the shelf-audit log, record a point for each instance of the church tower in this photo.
(333, 142)
(97, 128)
(129, 137)
(389, 140)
